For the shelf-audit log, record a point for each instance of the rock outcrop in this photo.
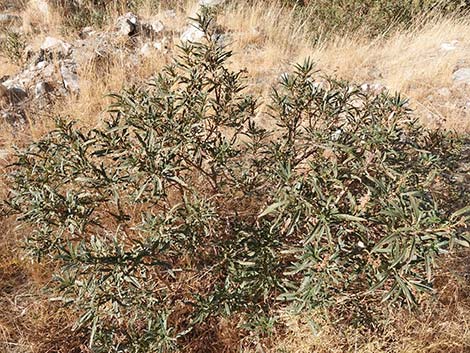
(51, 69)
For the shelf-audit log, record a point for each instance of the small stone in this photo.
(42, 88)
(462, 75)
(169, 13)
(156, 25)
(449, 46)
(86, 32)
(318, 85)
(160, 45)
(357, 103)
(444, 92)
(376, 87)
(152, 29)
(210, 3)
(52, 44)
(192, 34)
(42, 6)
(69, 79)
(146, 50)
(128, 24)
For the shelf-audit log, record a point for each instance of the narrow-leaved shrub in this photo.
(181, 209)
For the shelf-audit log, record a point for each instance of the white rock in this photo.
(42, 6)
(192, 34)
(317, 85)
(69, 79)
(357, 103)
(41, 65)
(42, 88)
(210, 2)
(86, 32)
(52, 44)
(146, 49)
(169, 13)
(336, 135)
(160, 45)
(444, 92)
(462, 75)
(156, 26)
(48, 70)
(127, 24)
(373, 87)
(449, 46)
(152, 28)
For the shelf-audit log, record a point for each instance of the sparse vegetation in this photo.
(181, 211)
(371, 17)
(13, 46)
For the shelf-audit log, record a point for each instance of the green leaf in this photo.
(348, 217)
(271, 208)
(459, 213)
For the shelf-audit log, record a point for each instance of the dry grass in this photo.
(266, 38)
(29, 321)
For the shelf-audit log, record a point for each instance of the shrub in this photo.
(180, 209)
(13, 46)
(77, 14)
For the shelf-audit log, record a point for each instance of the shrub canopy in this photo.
(181, 209)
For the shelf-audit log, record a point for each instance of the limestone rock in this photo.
(42, 6)
(42, 88)
(444, 92)
(462, 75)
(376, 87)
(52, 44)
(146, 50)
(86, 32)
(209, 3)
(155, 25)
(192, 34)
(128, 24)
(69, 77)
(449, 46)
